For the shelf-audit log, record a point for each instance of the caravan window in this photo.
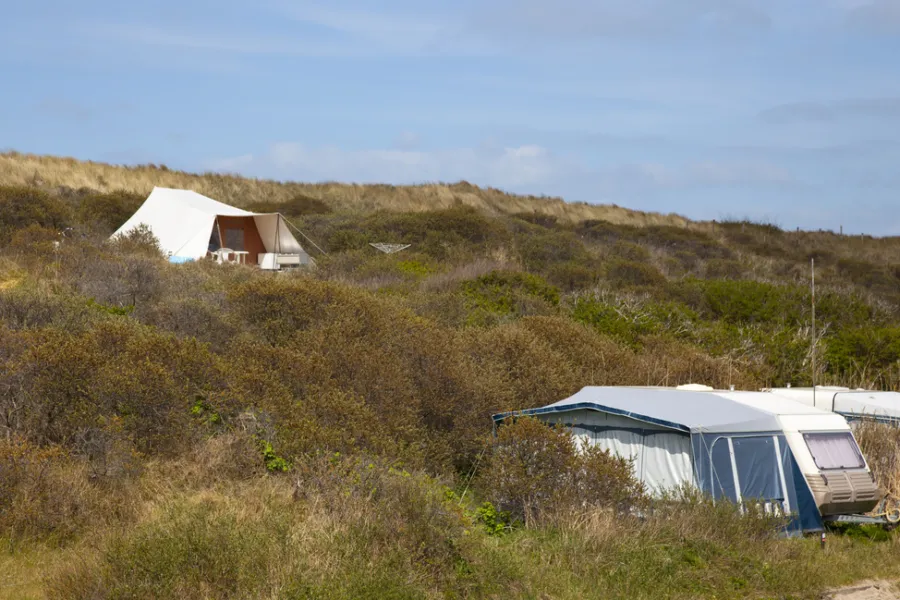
(834, 450)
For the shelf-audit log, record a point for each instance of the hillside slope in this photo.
(51, 172)
(214, 431)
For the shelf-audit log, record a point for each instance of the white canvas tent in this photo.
(189, 225)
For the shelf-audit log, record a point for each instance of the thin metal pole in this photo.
(813, 299)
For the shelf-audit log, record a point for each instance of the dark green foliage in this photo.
(876, 277)
(868, 348)
(630, 324)
(541, 251)
(752, 302)
(297, 206)
(107, 212)
(509, 293)
(625, 273)
(628, 251)
(24, 206)
(439, 234)
(536, 218)
(724, 268)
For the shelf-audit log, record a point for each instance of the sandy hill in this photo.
(51, 172)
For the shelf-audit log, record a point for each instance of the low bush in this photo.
(506, 293)
(625, 274)
(534, 470)
(21, 207)
(105, 213)
(298, 206)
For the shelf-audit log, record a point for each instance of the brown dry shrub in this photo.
(46, 493)
(667, 362)
(880, 444)
(535, 471)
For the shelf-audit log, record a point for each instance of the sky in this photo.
(786, 111)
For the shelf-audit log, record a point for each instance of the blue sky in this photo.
(782, 110)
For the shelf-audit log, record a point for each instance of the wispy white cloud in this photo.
(393, 30)
(510, 167)
(527, 167)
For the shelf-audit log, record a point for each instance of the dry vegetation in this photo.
(210, 431)
(54, 173)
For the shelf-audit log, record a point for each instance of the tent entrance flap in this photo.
(754, 471)
(276, 236)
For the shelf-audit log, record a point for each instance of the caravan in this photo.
(826, 452)
(852, 404)
(729, 445)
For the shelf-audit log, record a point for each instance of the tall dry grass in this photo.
(881, 445)
(54, 172)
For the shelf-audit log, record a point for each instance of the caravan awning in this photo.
(681, 410)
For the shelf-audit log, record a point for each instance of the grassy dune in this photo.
(54, 172)
(213, 431)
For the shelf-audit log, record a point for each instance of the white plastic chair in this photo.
(222, 255)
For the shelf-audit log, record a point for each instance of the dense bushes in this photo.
(534, 471)
(25, 206)
(509, 294)
(297, 206)
(331, 421)
(108, 212)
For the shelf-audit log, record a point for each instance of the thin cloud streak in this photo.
(800, 112)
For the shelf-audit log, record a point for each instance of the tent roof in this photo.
(773, 404)
(681, 409)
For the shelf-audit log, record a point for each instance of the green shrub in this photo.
(436, 233)
(753, 302)
(628, 251)
(870, 275)
(24, 206)
(724, 268)
(629, 321)
(535, 218)
(507, 293)
(107, 212)
(682, 239)
(541, 251)
(494, 522)
(573, 275)
(850, 352)
(623, 273)
(297, 206)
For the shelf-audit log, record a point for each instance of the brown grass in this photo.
(53, 172)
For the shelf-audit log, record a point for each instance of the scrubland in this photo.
(212, 431)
